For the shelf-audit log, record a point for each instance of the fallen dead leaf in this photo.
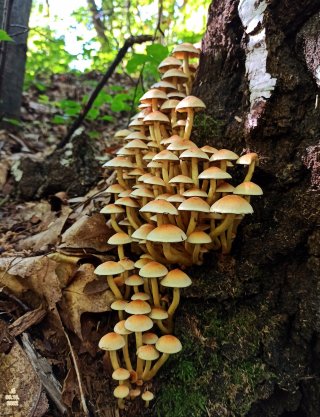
(76, 302)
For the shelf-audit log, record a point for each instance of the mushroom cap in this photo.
(122, 133)
(164, 85)
(154, 164)
(138, 323)
(214, 173)
(225, 187)
(148, 353)
(176, 279)
(137, 136)
(152, 94)
(153, 270)
(176, 94)
(195, 204)
(158, 313)
(121, 391)
(121, 329)
(231, 204)
(176, 198)
(167, 233)
(164, 196)
(126, 201)
(169, 104)
(127, 264)
(154, 180)
(138, 307)
(142, 232)
(179, 51)
(156, 116)
(224, 154)
(109, 268)
(136, 144)
(121, 374)
(134, 280)
(134, 393)
(159, 206)
(143, 261)
(168, 344)
(209, 149)
(119, 305)
(114, 189)
(181, 145)
(174, 72)
(170, 61)
(247, 158)
(140, 296)
(125, 193)
(199, 237)
(195, 192)
(181, 179)
(194, 153)
(112, 209)
(112, 341)
(149, 338)
(119, 239)
(248, 188)
(147, 396)
(165, 155)
(118, 162)
(148, 156)
(190, 102)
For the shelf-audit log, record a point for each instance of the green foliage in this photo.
(4, 36)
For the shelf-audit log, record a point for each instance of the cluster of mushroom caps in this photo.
(172, 203)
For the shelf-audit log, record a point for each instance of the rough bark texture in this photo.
(15, 59)
(250, 322)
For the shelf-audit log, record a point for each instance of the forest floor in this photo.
(51, 304)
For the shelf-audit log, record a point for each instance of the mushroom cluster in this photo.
(172, 203)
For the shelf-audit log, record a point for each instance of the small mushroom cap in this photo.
(248, 158)
(156, 116)
(169, 105)
(176, 94)
(122, 133)
(190, 102)
(114, 189)
(118, 162)
(121, 391)
(121, 329)
(214, 173)
(170, 61)
(231, 204)
(121, 374)
(109, 268)
(147, 396)
(142, 232)
(199, 237)
(152, 94)
(112, 209)
(140, 296)
(176, 279)
(174, 72)
(153, 270)
(183, 49)
(165, 155)
(138, 307)
(224, 154)
(119, 305)
(159, 206)
(153, 180)
(154, 164)
(112, 341)
(148, 353)
(148, 156)
(225, 187)
(134, 393)
(119, 239)
(195, 204)
(126, 201)
(127, 264)
(137, 136)
(194, 153)
(134, 280)
(209, 150)
(248, 188)
(149, 338)
(143, 261)
(181, 145)
(181, 179)
(167, 233)
(158, 313)
(136, 144)
(176, 198)
(168, 344)
(164, 85)
(195, 192)
(138, 323)
(126, 193)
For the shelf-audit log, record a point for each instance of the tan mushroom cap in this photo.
(153, 270)
(225, 187)
(141, 262)
(149, 338)
(137, 136)
(147, 396)
(181, 145)
(165, 155)
(167, 233)
(121, 391)
(214, 173)
(156, 116)
(125, 152)
(125, 193)
(119, 239)
(109, 268)
(121, 374)
(181, 179)
(195, 204)
(118, 162)
(138, 323)
(158, 313)
(231, 204)
(126, 201)
(176, 198)
(136, 144)
(195, 192)
(140, 296)
(112, 209)
(134, 280)
(112, 341)
(148, 353)
(209, 149)
(168, 344)
(159, 206)
(190, 102)
(168, 105)
(142, 232)
(199, 237)
(170, 61)
(176, 94)
(122, 133)
(248, 188)
(114, 189)
(138, 307)
(165, 85)
(176, 279)
(164, 196)
(224, 154)
(174, 72)
(127, 264)
(119, 305)
(153, 180)
(121, 329)
(142, 192)
(248, 158)
(194, 153)
(179, 51)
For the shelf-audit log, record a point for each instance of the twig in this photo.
(121, 53)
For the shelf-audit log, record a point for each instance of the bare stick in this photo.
(128, 43)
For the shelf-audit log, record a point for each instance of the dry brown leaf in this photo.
(50, 236)
(75, 302)
(21, 391)
(88, 232)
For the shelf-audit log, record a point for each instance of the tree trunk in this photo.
(250, 322)
(12, 76)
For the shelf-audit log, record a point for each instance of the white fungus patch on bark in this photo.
(261, 84)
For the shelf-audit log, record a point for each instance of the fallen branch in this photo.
(122, 52)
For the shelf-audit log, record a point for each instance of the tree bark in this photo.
(15, 58)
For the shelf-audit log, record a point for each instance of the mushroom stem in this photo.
(120, 179)
(113, 287)
(195, 171)
(162, 327)
(192, 222)
(114, 359)
(146, 369)
(250, 171)
(131, 214)
(195, 255)
(173, 306)
(189, 124)
(155, 292)
(154, 254)
(121, 254)
(222, 226)
(114, 224)
(126, 356)
(160, 362)
(211, 192)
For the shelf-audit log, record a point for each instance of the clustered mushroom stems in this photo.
(167, 211)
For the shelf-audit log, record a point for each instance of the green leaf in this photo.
(4, 36)
(13, 122)
(157, 51)
(59, 120)
(135, 62)
(106, 118)
(93, 134)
